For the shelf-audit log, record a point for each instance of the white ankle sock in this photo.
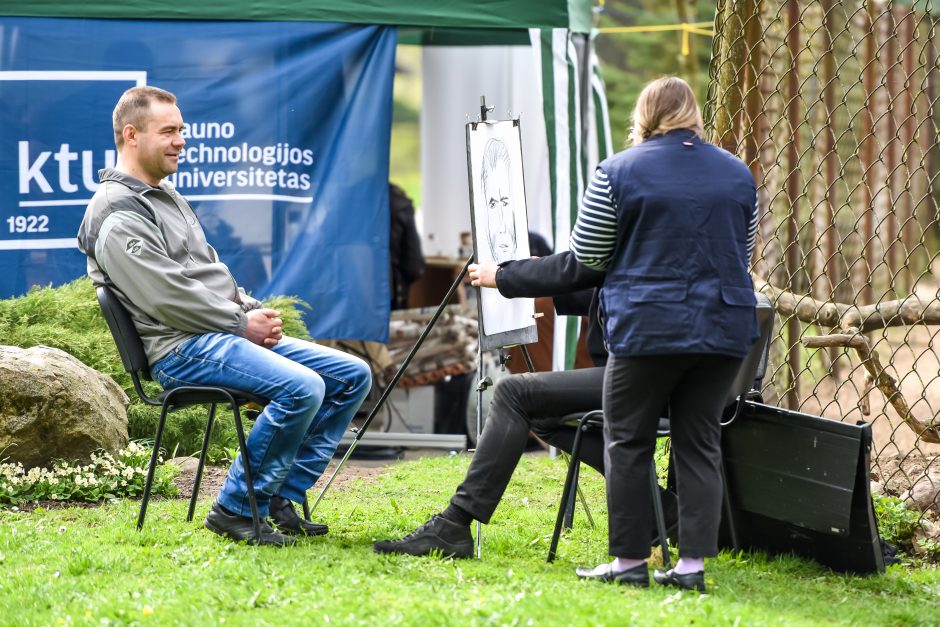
(688, 565)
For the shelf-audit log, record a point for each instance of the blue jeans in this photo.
(313, 393)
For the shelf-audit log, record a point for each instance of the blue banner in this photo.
(286, 157)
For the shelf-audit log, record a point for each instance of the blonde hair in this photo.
(664, 105)
(134, 108)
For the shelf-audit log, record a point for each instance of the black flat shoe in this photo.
(289, 522)
(688, 581)
(637, 576)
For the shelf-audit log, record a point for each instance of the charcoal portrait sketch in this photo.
(498, 214)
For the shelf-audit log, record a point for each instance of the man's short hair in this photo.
(134, 108)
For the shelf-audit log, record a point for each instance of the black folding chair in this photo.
(594, 421)
(746, 387)
(135, 362)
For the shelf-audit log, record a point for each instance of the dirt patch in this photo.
(212, 479)
(214, 476)
(34, 505)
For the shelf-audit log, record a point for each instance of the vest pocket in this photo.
(738, 318)
(738, 296)
(639, 310)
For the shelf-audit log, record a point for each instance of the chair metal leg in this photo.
(572, 498)
(728, 510)
(580, 496)
(659, 515)
(243, 448)
(587, 510)
(197, 480)
(306, 507)
(566, 493)
(152, 468)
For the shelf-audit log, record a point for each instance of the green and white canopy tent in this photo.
(533, 58)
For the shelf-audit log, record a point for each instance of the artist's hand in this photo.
(265, 327)
(483, 274)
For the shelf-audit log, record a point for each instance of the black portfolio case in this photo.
(799, 484)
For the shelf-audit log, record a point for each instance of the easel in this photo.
(503, 340)
(391, 386)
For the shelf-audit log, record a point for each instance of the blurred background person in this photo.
(404, 246)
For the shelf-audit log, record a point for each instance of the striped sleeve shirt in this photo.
(595, 232)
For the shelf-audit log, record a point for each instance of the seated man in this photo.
(523, 402)
(199, 328)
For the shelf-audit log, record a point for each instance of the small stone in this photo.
(925, 490)
(928, 530)
(186, 464)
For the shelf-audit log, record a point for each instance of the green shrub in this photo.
(68, 318)
(896, 522)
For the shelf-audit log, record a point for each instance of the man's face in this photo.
(158, 144)
(499, 213)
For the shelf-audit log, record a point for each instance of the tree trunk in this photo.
(730, 21)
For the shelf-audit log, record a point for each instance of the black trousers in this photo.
(524, 402)
(635, 391)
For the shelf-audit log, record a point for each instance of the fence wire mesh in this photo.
(833, 105)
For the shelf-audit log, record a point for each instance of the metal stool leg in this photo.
(152, 468)
(197, 481)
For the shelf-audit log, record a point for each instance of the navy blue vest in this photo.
(678, 281)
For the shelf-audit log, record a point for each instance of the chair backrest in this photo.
(751, 374)
(125, 334)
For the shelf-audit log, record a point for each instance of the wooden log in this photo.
(890, 313)
(853, 338)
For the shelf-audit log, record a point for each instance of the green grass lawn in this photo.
(91, 567)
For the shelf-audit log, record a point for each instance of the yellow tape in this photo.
(695, 28)
(654, 28)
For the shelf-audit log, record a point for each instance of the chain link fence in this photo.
(833, 106)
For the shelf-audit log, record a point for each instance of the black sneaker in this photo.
(437, 535)
(241, 528)
(288, 522)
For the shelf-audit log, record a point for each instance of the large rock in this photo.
(53, 406)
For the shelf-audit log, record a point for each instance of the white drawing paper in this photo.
(499, 217)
